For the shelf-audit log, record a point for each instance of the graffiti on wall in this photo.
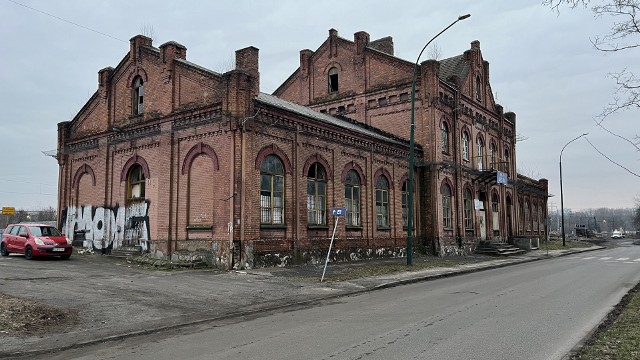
(108, 227)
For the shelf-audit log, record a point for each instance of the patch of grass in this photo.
(619, 336)
(376, 269)
(26, 317)
(557, 244)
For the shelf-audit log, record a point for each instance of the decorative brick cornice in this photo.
(136, 133)
(84, 145)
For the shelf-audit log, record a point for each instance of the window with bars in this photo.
(492, 155)
(316, 195)
(480, 156)
(444, 137)
(352, 198)
(465, 146)
(446, 206)
(468, 212)
(271, 191)
(138, 96)
(382, 202)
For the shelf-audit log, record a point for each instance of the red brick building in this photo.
(177, 160)
(174, 159)
(466, 137)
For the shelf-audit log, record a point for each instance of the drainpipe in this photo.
(457, 164)
(171, 205)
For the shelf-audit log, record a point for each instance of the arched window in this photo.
(506, 161)
(446, 206)
(135, 183)
(405, 201)
(333, 80)
(465, 146)
(468, 213)
(382, 202)
(492, 155)
(444, 135)
(316, 195)
(138, 96)
(271, 191)
(480, 156)
(352, 198)
(478, 88)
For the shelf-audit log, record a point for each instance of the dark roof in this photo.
(456, 65)
(342, 122)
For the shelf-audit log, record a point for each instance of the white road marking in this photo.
(622, 259)
(629, 262)
(636, 260)
(589, 258)
(605, 258)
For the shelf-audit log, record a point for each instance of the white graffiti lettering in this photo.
(106, 227)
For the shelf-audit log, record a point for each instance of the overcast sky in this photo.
(543, 68)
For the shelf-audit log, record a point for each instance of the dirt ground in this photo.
(25, 317)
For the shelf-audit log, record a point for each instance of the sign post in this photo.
(337, 213)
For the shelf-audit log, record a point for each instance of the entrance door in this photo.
(482, 219)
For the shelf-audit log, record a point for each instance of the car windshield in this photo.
(43, 231)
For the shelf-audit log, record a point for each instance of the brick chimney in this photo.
(384, 45)
(361, 40)
(136, 43)
(172, 50)
(305, 59)
(104, 81)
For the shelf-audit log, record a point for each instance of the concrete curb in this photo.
(289, 305)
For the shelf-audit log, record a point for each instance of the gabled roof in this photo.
(342, 122)
(454, 66)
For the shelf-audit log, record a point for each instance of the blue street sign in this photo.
(339, 211)
(502, 178)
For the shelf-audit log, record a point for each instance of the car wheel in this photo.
(28, 253)
(3, 250)
(65, 257)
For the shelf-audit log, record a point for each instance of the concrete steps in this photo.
(498, 249)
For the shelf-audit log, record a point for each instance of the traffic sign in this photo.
(339, 211)
(6, 210)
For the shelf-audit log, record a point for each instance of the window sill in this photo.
(353, 227)
(199, 227)
(273, 226)
(317, 227)
(383, 228)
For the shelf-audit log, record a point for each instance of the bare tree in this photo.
(434, 52)
(623, 35)
(147, 30)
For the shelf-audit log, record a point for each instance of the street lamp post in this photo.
(561, 196)
(412, 143)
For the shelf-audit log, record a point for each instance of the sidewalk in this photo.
(118, 301)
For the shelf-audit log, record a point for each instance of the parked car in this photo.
(617, 235)
(34, 240)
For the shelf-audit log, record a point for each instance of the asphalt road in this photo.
(537, 310)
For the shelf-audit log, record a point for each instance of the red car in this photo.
(35, 240)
